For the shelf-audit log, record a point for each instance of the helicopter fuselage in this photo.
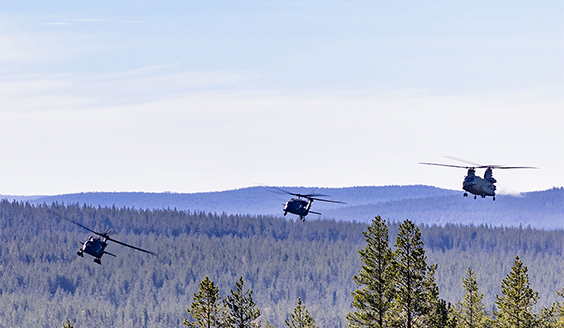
(474, 184)
(302, 204)
(297, 206)
(94, 247)
(479, 186)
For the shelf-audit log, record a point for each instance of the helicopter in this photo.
(95, 246)
(476, 185)
(301, 207)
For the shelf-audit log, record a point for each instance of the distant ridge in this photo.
(540, 209)
(251, 200)
(422, 204)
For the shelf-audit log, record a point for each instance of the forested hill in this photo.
(43, 283)
(543, 209)
(252, 200)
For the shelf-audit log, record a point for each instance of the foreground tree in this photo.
(267, 324)
(442, 315)
(206, 310)
(560, 309)
(301, 317)
(416, 292)
(515, 307)
(375, 297)
(242, 310)
(471, 311)
(553, 317)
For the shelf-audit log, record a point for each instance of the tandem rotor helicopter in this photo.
(95, 246)
(476, 185)
(301, 207)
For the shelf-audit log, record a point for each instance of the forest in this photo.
(422, 204)
(43, 283)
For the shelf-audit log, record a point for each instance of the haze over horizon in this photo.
(212, 96)
(499, 193)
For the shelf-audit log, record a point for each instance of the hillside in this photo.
(252, 200)
(542, 210)
(423, 204)
(43, 282)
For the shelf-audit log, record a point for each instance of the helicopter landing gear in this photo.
(79, 253)
(303, 218)
(494, 198)
(465, 194)
(474, 196)
(285, 212)
(97, 261)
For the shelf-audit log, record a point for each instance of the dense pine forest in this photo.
(43, 283)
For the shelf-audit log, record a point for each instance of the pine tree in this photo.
(515, 307)
(442, 316)
(301, 317)
(471, 311)
(553, 316)
(547, 318)
(375, 277)
(206, 309)
(242, 310)
(560, 309)
(415, 290)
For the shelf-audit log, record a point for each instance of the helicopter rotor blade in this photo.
(308, 196)
(278, 190)
(448, 165)
(326, 200)
(78, 224)
(105, 235)
(464, 161)
(482, 166)
(296, 194)
(502, 167)
(136, 248)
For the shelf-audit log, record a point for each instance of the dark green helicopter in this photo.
(95, 246)
(476, 185)
(301, 207)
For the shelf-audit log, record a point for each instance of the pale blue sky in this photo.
(213, 95)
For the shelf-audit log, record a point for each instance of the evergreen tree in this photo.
(442, 316)
(68, 324)
(515, 307)
(301, 317)
(553, 316)
(242, 310)
(375, 298)
(206, 309)
(471, 311)
(547, 318)
(415, 290)
(560, 309)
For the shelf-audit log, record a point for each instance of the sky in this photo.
(197, 96)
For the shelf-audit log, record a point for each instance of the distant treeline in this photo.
(421, 204)
(251, 200)
(541, 210)
(43, 283)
